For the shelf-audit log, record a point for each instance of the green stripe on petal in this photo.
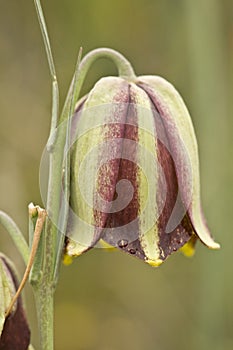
(147, 175)
(181, 135)
(91, 174)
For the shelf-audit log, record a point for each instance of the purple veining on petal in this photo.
(123, 224)
(181, 233)
(176, 148)
(110, 155)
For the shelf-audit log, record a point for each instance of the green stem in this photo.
(44, 294)
(125, 71)
(44, 289)
(44, 33)
(44, 297)
(16, 235)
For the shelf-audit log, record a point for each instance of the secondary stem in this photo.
(15, 233)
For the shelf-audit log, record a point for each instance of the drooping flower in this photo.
(135, 171)
(14, 330)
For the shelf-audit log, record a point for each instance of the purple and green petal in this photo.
(182, 142)
(94, 171)
(135, 172)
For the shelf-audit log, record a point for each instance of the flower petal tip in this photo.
(154, 263)
(104, 245)
(67, 260)
(188, 249)
(214, 246)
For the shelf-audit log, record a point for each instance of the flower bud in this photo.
(14, 331)
(135, 171)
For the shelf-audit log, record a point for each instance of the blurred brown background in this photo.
(109, 301)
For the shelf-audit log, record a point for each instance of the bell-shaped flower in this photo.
(135, 181)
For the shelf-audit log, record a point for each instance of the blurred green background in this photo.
(109, 301)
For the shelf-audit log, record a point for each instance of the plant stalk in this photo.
(45, 288)
(44, 297)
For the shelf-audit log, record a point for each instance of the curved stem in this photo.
(125, 71)
(15, 233)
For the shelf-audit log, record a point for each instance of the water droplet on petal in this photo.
(132, 251)
(122, 243)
